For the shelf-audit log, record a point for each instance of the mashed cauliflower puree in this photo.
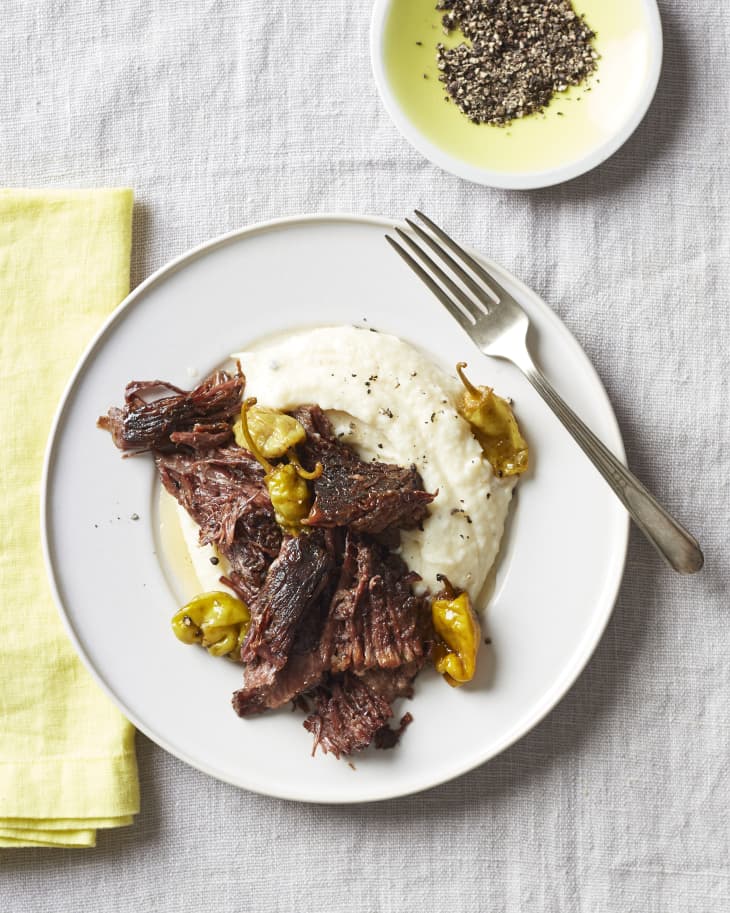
(392, 404)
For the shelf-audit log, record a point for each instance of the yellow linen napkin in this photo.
(67, 763)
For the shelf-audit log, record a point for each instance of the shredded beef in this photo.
(347, 716)
(366, 497)
(204, 437)
(141, 425)
(351, 711)
(334, 619)
(356, 630)
(224, 492)
(389, 738)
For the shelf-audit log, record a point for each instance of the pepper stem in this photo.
(251, 401)
(301, 471)
(465, 380)
(448, 589)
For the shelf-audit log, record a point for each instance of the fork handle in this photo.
(671, 540)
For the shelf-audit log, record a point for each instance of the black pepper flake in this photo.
(213, 560)
(487, 640)
(419, 43)
(515, 56)
(380, 446)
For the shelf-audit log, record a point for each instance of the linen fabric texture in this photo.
(224, 113)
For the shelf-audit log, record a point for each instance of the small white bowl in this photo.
(535, 151)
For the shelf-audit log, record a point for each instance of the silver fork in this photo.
(498, 325)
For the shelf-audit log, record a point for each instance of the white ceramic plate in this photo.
(537, 151)
(558, 574)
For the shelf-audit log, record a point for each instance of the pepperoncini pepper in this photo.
(459, 633)
(217, 621)
(273, 432)
(494, 426)
(285, 482)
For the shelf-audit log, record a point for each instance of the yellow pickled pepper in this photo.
(217, 621)
(285, 482)
(495, 427)
(459, 632)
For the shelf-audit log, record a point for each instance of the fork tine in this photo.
(487, 278)
(447, 302)
(475, 288)
(468, 305)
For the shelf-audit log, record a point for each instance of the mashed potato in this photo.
(391, 403)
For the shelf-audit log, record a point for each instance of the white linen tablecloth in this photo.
(225, 113)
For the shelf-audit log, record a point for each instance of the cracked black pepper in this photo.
(518, 55)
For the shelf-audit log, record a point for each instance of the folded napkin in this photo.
(67, 763)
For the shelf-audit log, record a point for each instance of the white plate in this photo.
(558, 575)
(629, 41)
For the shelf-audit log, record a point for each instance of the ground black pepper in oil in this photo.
(519, 54)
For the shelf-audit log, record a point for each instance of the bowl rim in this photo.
(513, 180)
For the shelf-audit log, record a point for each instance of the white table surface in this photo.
(224, 113)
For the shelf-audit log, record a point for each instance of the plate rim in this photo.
(568, 675)
(514, 180)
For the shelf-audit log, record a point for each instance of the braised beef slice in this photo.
(366, 497)
(374, 620)
(224, 492)
(281, 659)
(318, 637)
(294, 583)
(142, 425)
(265, 687)
(390, 684)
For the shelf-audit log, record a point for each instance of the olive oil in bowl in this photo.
(586, 122)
